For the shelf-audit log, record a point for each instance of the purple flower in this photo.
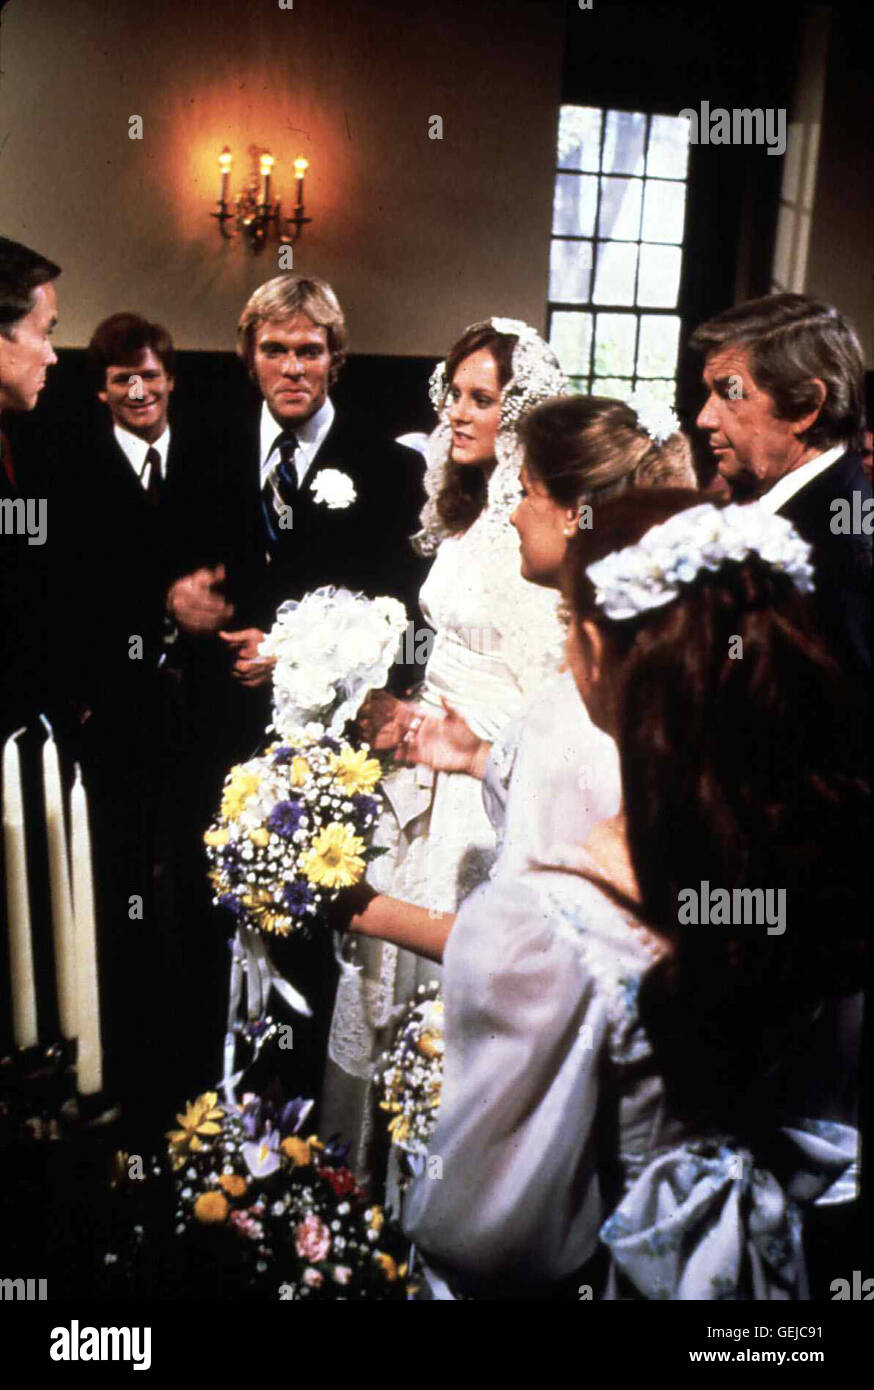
(281, 757)
(297, 896)
(366, 807)
(327, 742)
(284, 819)
(262, 1155)
(231, 902)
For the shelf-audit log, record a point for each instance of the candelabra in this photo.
(255, 212)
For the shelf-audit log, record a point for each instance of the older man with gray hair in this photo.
(785, 419)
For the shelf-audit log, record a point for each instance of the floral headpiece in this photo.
(536, 373)
(655, 417)
(649, 574)
(536, 377)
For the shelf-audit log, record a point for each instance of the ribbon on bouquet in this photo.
(254, 975)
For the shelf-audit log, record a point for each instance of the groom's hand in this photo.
(249, 668)
(195, 604)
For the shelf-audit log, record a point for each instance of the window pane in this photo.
(614, 344)
(660, 392)
(668, 154)
(570, 271)
(624, 140)
(620, 209)
(571, 337)
(658, 282)
(614, 275)
(658, 345)
(664, 209)
(579, 385)
(617, 387)
(573, 211)
(579, 137)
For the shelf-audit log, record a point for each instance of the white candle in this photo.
(90, 1059)
(63, 932)
(17, 901)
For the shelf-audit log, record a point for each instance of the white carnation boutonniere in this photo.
(333, 489)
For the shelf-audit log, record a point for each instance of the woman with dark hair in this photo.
(497, 638)
(644, 1029)
(549, 777)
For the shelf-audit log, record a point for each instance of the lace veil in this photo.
(524, 613)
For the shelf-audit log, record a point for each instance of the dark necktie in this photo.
(154, 485)
(280, 489)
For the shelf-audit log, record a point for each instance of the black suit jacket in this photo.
(364, 547)
(842, 563)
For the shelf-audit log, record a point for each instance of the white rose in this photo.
(333, 488)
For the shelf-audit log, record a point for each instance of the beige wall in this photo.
(418, 236)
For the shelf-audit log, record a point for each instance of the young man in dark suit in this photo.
(785, 418)
(294, 523)
(143, 519)
(314, 498)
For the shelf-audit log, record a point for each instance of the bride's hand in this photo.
(383, 721)
(447, 745)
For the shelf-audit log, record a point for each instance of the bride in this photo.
(497, 638)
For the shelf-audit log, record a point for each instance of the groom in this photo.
(318, 498)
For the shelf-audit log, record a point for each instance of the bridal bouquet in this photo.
(296, 822)
(284, 1208)
(409, 1076)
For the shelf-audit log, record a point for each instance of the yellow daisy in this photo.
(260, 836)
(199, 1122)
(240, 786)
(300, 771)
(335, 858)
(216, 838)
(355, 771)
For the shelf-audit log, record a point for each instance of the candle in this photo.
(90, 1059)
(225, 160)
(17, 902)
(63, 933)
(300, 167)
(267, 163)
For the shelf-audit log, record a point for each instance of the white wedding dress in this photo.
(498, 639)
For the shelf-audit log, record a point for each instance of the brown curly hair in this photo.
(740, 773)
(463, 494)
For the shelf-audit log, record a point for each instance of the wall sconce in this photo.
(255, 211)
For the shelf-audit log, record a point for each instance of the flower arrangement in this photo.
(409, 1076)
(296, 821)
(330, 649)
(287, 1206)
(294, 828)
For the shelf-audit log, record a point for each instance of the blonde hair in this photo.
(282, 298)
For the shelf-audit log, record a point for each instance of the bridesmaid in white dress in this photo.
(621, 1078)
(497, 638)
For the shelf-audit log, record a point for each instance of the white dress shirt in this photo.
(793, 482)
(310, 436)
(135, 450)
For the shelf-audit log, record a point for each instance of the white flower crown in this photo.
(655, 417)
(649, 574)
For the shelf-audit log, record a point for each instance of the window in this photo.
(616, 251)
